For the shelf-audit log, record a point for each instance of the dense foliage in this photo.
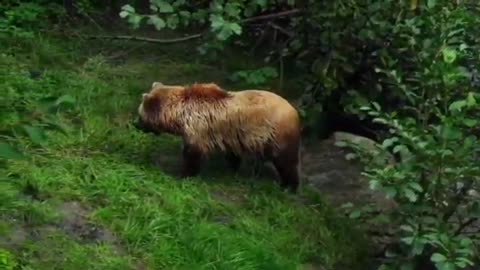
(410, 66)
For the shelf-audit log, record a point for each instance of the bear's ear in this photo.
(155, 84)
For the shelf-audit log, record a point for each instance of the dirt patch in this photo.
(236, 198)
(326, 169)
(75, 223)
(15, 238)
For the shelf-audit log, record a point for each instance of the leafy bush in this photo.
(20, 19)
(437, 183)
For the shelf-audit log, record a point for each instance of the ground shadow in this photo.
(164, 152)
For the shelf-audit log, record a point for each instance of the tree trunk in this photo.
(69, 6)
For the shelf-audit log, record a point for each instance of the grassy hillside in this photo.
(101, 195)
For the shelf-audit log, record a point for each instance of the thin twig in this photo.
(273, 15)
(281, 29)
(88, 17)
(456, 200)
(465, 225)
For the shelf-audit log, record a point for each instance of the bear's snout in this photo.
(137, 124)
(140, 125)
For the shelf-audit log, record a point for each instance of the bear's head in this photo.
(163, 108)
(151, 112)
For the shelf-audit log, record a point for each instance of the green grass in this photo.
(125, 181)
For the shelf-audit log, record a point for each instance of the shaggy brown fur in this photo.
(210, 118)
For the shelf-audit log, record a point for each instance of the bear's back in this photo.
(261, 103)
(246, 121)
(264, 118)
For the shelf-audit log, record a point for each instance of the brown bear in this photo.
(238, 123)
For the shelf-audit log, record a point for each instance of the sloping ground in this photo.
(326, 168)
(104, 196)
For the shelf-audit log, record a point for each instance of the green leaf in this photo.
(408, 240)
(389, 142)
(445, 266)
(449, 55)
(9, 152)
(437, 257)
(400, 148)
(450, 133)
(471, 101)
(128, 8)
(36, 134)
(261, 3)
(173, 21)
(124, 14)
(416, 186)
(410, 194)
(65, 99)
(232, 9)
(418, 247)
(347, 205)
(184, 14)
(465, 262)
(216, 21)
(407, 266)
(355, 214)
(350, 156)
(157, 22)
(179, 3)
(406, 228)
(390, 192)
(431, 3)
(236, 28)
(164, 6)
(470, 122)
(153, 8)
(457, 105)
(135, 20)
(466, 242)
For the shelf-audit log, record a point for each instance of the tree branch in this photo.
(456, 200)
(152, 40)
(199, 35)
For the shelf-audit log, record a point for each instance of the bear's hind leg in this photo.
(287, 165)
(192, 161)
(289, 177)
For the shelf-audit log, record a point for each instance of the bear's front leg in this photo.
(234, 161)
(192, 159)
